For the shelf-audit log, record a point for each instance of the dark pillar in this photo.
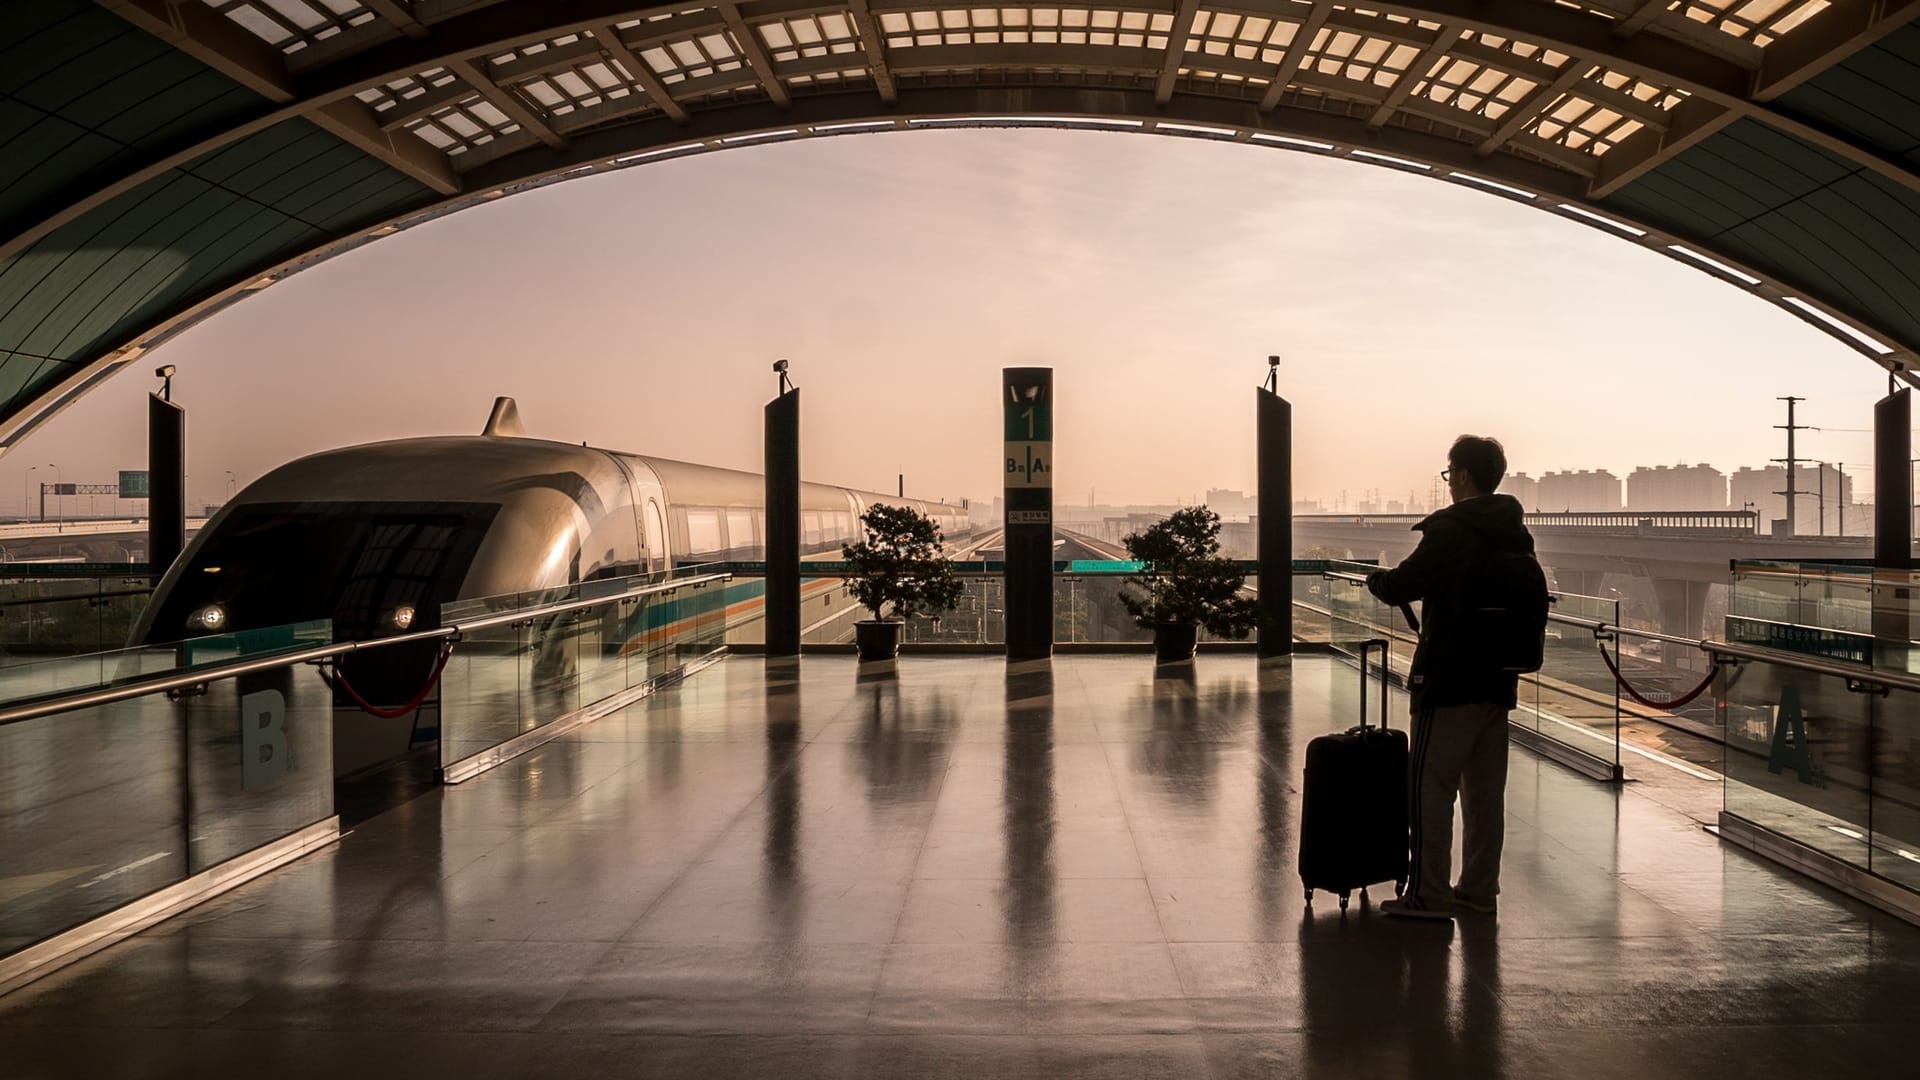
(1274, 415)
(783, 524)
(1892, 522)
(167, 480)
(1026, 400)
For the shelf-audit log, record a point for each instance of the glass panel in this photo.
(102, 805)
(1896, 788)
(1797, 756)
(1574, 698)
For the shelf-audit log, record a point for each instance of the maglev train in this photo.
(377, 537)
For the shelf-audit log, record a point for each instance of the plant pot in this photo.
(1174, 644)
(878, 639)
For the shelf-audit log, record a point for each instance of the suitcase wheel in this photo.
(1400, 887)
(1343, 901)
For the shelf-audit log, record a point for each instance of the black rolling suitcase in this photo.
(1353, 817)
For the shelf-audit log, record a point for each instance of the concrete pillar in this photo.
(1026, 402)
(783, 522)
(1683, 607)
(1274, 417)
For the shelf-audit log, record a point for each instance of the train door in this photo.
(656, 539)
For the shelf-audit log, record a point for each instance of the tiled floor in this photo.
(968, 870)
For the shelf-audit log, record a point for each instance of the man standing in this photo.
(1461, 694)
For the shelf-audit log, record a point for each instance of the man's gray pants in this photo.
(1457, 751)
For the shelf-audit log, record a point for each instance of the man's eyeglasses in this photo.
(1446, 474)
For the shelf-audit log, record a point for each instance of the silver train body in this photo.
(359, 533)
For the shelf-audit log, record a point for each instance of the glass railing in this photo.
(1086, 606)
(106, 801)
(519, 665)
(1827, 755)
(1571, 702)
(30, 679)
(67, 617)
(1819, 609)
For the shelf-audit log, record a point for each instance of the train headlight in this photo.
(401, 618)
(211, 619)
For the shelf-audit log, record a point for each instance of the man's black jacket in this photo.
(1449, 667)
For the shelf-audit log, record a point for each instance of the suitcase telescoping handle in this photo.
(1366, 647)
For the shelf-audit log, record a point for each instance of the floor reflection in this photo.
(1027, 804)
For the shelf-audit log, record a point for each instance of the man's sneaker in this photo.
(1413, 907)
(1479, 905)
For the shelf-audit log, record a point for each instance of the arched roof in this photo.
(160, 158)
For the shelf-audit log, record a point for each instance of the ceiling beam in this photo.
(214, 40)
(354, 123)
(1648, 11)
(508, 102)
(1177, 36)
(1824, 40)
(749, 44)
(1296, 54)
(638, 70)
(1647, 149)
(875, 48)
(1416, 72)
(400, 14)
(1533, 105)
(1827, 39)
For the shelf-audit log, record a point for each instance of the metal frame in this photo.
(1863, 885)
(476, 99)
(34, 710)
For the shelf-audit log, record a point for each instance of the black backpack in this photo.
(1507, 602)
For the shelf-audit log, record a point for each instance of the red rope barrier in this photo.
(1636, 695)
(340, 680)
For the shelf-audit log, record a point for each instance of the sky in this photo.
(899, 272)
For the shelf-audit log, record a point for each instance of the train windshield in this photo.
(352, 562)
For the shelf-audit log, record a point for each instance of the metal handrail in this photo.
(214, 673)
(1715, 649)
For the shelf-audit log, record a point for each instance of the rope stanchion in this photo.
(339, 681)
(1679, 702)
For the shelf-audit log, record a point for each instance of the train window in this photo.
(703, 532)
(811, 523)
(351, 562)
(740, 538)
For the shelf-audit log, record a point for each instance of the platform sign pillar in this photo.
(783, 522)
(167, 484)
(1274, 419)
(1026, 402)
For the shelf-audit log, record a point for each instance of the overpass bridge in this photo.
(1680, 552)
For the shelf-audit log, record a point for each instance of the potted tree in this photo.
(1185, 584)
(899, 564)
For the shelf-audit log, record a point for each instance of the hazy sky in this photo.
(641, 310)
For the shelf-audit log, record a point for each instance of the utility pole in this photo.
(1792, 462)
(1840, 478)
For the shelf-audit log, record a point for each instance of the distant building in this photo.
(1522, 487)
(1677, 487)
(1819, 489)
(1587, 491)
(1229, 503)
(1308, 506)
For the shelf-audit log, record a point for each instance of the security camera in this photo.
(779, 365)
(1273, 361)
(164, 371)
